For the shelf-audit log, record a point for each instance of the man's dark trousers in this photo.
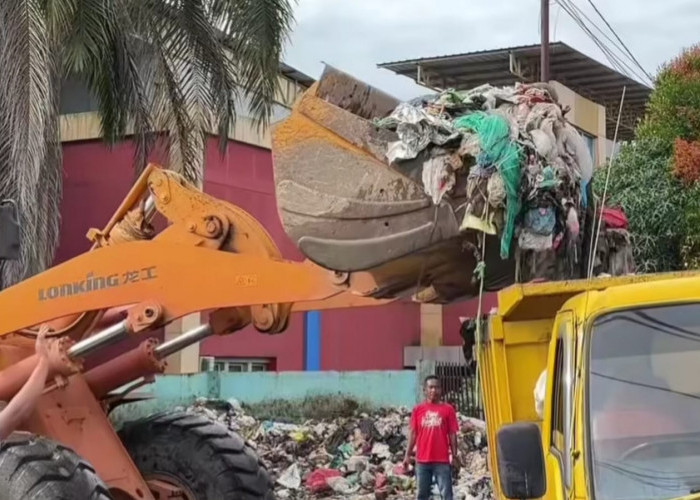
(441, 472)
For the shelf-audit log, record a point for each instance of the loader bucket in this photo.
(348, 209)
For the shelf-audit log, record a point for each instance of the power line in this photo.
(600, 30)
(620, 65)
(623, 48)
(620, 40)
(616, 62)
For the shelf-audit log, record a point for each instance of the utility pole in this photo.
(544, 44)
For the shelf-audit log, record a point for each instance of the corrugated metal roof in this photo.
(500, 67)
(296, 75)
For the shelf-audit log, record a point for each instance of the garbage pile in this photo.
(511, 162)
(357, 457)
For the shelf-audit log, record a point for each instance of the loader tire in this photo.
(36, 468)
(197, 454)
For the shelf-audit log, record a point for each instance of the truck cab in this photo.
(621, 414)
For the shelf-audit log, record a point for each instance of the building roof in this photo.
(296, 75)
(501, 67)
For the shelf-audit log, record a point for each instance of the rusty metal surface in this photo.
(395, 237)
(347, 126)
(72, 416)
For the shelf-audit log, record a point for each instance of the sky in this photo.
(356, 35)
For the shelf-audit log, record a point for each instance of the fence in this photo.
(460, 388)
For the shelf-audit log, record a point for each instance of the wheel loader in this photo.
(370, 236)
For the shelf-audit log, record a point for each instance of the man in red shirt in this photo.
(433, 432)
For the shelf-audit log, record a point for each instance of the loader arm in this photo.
(181, 279)
(211, 256)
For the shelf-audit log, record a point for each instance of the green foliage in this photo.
(641, 183)
(674, 106)
(690, 249)
(654, 181)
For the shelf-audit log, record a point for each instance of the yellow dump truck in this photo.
(619, 354)
(621, 415)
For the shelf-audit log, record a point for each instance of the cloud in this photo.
(356, 35)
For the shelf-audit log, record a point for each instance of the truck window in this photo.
(563, 397)
(643, 403)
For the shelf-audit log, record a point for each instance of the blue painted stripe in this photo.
(312, 341)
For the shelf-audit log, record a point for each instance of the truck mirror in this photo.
(521, 461)
(9, 231)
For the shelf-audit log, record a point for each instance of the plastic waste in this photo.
(347, 457)
(438, 178)
(497, 149)
(291, 478)
(318, 480)
(341, 485)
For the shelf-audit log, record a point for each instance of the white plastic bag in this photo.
(540, 390)
(291, 478)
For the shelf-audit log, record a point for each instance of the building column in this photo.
(430, 325)
(312, 341)
(186, 360)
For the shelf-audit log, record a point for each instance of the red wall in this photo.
(95, 182)
(371, 338)
(96, 179)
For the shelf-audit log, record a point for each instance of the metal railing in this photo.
(459, 388)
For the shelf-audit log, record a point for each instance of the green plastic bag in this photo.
(497, 149)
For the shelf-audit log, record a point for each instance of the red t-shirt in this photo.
(432, 424)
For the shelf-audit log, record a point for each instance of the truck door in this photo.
(558, 422)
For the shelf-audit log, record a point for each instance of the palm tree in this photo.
(153, 65)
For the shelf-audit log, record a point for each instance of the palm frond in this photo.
(171, 79)
(27, 99)
(256, 32)
(214, 64)
(100, 50)
(153, 65)
(189, 79)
